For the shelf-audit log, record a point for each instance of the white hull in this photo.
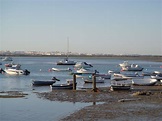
(97, 81)
(61, 69)
(86, 71)
(144, 82)
(14, 72)
(82, 65)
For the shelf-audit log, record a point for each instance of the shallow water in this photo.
(32, 108)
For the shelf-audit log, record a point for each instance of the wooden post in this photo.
(94, 83)
(74, 81)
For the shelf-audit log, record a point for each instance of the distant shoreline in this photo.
(156, 58)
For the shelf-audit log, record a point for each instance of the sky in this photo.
(92, 26)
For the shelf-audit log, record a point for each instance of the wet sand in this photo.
(139, 103)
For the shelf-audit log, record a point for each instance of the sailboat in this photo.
(66, 60)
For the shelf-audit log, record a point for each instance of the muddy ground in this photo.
(138, 104)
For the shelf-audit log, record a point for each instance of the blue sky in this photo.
(93, 26)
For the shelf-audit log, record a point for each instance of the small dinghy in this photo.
(68, 85)
(120, 86)
(61, 69)
(144, 82)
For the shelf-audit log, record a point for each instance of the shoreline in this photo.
(155, 58)
(140, 102)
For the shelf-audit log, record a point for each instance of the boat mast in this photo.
(67, 47)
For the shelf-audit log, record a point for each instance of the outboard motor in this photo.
(2, 71)
(26, 72)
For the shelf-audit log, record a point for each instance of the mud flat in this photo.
(140, 103)
(12, 94)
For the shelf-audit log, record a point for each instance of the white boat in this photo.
(115, 86)
(98, 80)
(83, 75)
(18, 66)
(61, 69)
(66, 61)
(132, 67)
(113, 71)
(68, 85)
(14, 71)
(156, 75)
(144, 82)
(125, 63)
(119, 77)
(86, 71)
(7, 59)
(126, 76)
(82, 65)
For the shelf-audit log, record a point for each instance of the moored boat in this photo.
(82, 65)
(144, 82)
(44, 82)
(98, 80)
(125, 63)
(86, 71)
(7, 59)
(68, 85)
(119, 86)
(14, 71)
(156, 75)
(61, 69)
(66, 61)
(132, 67)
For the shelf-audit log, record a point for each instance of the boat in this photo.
(61, 69)
(126, 76)
(68, 85)
(44, 82)
(14, 71)
(119, 86)
(86, 71)
(98, 80)
(144, 82)
(132, 67)
(125, 63)
(7, 59)
(104, 76)
(66, 60)
(156, 75)
(82, 65)
(13, 65)
(119, 77)
(113, 71)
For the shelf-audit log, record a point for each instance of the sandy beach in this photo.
(138, 104)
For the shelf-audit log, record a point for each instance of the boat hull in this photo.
(61, 86)
(91, 81)
(144, 82)
(120, 87)
(42, 83)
